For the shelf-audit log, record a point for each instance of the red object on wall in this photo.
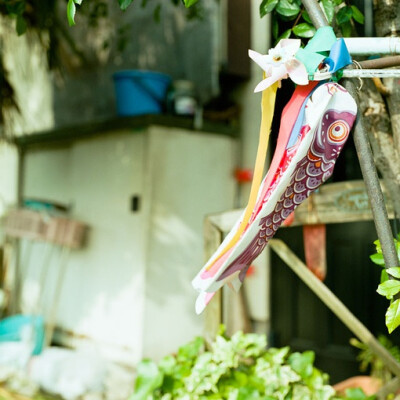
(289, 220)
(243, 175)
(315, 249)
(251, 271)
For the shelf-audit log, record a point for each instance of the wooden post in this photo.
(213, 312)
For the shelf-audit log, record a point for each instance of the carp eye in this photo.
(338, 131)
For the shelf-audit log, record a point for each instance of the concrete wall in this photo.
(103, 289)
(129, 290)
(190, 176)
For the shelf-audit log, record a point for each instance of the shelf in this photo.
(73, 133)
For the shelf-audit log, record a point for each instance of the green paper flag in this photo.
(310, 60)
(317, 49)
(322, 40)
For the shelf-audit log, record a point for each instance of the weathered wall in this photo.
(25, 60)
(190, 176)
(184, 49)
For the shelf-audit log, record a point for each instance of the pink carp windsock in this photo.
(316, 140)
(314, 127)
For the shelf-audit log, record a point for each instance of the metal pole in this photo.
(373, 187)
(371, 73)
(384, 62)
(366, 159)
(367, 46)
(315, 12)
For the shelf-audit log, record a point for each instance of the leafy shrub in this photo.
(240, 368)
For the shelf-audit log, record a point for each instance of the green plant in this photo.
(369, 361)
(389, 287)
(124, 4)
(339, 12)
(40, 14)
(240, 368)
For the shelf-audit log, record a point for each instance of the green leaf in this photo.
(397, 245)
(302, 363)
(329, 8)
(148, 379)
(189, 3)
(304, 30)
(124, 4)
(20, 25)
(389, 288)
(355, 394)
(344, 15)
(157, 13)
(79, 2)
(267, 6)
(275, 28)
(377, 244)
(357, 15)
(346, 29)
(306, 17)
(285, 35)
(287, 9)
(191, 350)
(384, 276)
(393, 316)
(71, 10)
(247, 393)
(15, 7)
(395, 272)
(377, 258)
(167, 364)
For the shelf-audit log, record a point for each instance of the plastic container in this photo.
(182, 98)
(140, 92)
(21, 328)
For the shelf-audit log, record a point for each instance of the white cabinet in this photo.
(144, 195)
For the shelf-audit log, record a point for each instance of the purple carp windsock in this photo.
(313, 147)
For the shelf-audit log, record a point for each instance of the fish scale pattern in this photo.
(310, 173)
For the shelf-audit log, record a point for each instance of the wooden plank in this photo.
(337, 203)
(332, 203)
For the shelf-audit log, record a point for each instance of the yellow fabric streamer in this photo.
(267, 113)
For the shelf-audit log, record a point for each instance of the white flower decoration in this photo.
(279, 63)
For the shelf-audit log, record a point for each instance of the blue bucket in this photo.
(11, 330)
(140, 92)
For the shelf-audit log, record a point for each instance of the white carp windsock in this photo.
(314, 128)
